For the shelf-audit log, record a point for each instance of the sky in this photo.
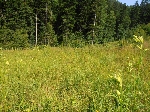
(129, 2)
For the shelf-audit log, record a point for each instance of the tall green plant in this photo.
(20, 39)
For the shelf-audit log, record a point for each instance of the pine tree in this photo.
(17, 17)
(50, 36)
(101, 21)
(110, 27)
(145, 11)
(135, 15)
(66, 19)
(123, 22)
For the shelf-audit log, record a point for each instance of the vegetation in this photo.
(64, 72)
(70, 23)
(98, 78)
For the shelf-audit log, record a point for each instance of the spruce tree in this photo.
(145, 11)
(135, 15)
(66, 19)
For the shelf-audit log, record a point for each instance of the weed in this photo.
(74, 79)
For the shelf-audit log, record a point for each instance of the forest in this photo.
(26, 23)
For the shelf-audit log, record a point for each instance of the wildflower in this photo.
(7, 63)
(27, 110)
(118, 93)
(140, 93)
(139, 41)
(118, 78)
(130, 64)
(146, 49)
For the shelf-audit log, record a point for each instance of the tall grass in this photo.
(75, 79)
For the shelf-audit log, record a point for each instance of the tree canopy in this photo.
(70, 22)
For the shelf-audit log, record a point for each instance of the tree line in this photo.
(70, 22)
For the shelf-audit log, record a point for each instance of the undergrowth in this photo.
(89, 79)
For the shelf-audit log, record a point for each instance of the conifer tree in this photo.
(135, 15)
(145, 11)
(110, 27)
(66, 19)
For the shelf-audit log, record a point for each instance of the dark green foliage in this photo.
(110, 27)
(145, 11)
(13, 39)
(20, 38)
(66, 19)
(5, 37)
(135, 15)
(139, 31)
(59, 22)
(147, 29)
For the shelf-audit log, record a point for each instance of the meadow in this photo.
(96, 78)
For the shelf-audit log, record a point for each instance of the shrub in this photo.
(13, 39)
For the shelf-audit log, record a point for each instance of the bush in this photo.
(139, 31)
(13, 39)
(20, 39)
(147, 29)
(5, 37)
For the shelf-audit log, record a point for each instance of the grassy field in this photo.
(90, 79)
